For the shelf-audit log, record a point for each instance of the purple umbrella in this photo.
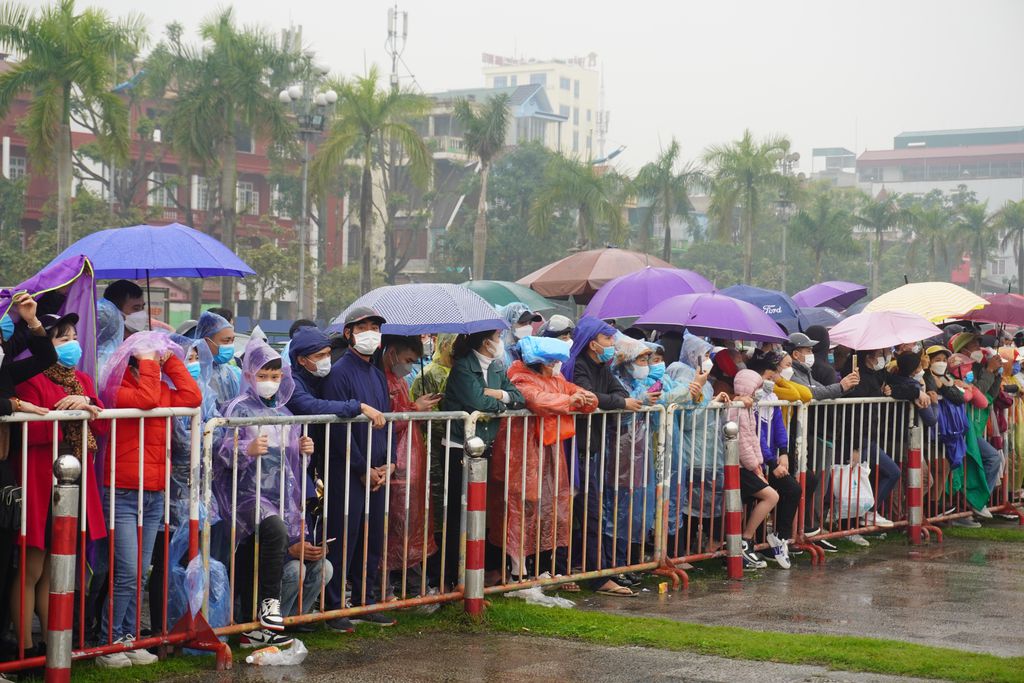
(834, 294)
(712, 315)
(634, 294)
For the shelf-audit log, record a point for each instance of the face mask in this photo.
(640, 371)
(656, 371)
(428, 348)
(138, 320)
(194, 369)
(831, 358)
(556, 368)
(6, 327)
(706, 366)
(606, 354)
(224, 354)
(1, 355)
(323, 367)
(569, 342)
(919, 375)
(523, 331)
(879, 363)
(938, 367)
(768, 386)
(917, 348)
(499, 349)
(367, 343)
(1016, 366)
(977, 356)
(969, 377)
(266, 390)
(69, 353)
(787, 373)
(401, 369)
(809, 360)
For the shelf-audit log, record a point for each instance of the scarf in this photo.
(66, 379)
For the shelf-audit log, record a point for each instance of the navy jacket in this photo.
(353, 379)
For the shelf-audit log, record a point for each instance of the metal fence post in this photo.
(915, 478)
(63, 545)
(733, 502)
(476, 524)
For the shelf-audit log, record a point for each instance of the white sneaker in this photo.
(982, 512)
(116, 660)
(141, 657)
(875, 519)
(857, 539)
(270, 614)
(780, 551)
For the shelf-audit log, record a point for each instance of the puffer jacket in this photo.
(751, 458)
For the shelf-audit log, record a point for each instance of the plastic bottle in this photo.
(259, 656)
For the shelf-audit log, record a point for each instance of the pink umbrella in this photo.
(882, 329)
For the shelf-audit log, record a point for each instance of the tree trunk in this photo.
(228, 191)
(581, 231)
(817, 266)
(748, 246)
(64, 180)
(876, 264)
(1020, 263)
(666, 248)
(365, 230)
(480, 225)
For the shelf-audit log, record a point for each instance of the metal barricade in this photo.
(392, 551)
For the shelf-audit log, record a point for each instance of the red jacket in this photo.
(145, 390)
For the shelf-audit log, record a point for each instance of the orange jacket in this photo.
(146, 390)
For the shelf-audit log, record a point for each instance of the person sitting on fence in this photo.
(977, 403)
(529, 487)
(133, 378)
(754, 486)
(260, 466)
(410, 534)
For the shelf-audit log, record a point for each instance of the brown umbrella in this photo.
(582, 274)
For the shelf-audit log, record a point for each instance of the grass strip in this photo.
(1001, 534)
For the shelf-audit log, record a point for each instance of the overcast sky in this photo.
(825, 73)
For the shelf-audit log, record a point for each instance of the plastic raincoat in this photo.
(273, 481)
(225, 379)
(511, 314)
(435, 376)
(109, 332)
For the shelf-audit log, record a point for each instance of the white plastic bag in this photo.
(535, 596)
(272, 656)
(851, 490)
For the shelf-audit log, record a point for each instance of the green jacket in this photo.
(465, 391)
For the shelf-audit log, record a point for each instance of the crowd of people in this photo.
(285, 496)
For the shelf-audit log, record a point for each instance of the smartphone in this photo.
(855, 361)
(656, 387)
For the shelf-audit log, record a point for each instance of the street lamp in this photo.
(311, 111)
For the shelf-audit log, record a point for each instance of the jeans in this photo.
(126, 553)
(273, 548)
(310, 585)
(992, 461)
(788, 489)
(348, 561)
(887, 471)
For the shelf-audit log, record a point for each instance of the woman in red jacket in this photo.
(145, 372)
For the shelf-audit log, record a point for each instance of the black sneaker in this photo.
(827, 546)
(375, 618)
(262, 637)
(301, 628)
(751, 560)
(270, 614)
(341, 625)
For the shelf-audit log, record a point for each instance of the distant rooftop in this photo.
(959, 153)
(963, 137)
(962, 131)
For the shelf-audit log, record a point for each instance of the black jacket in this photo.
(14, 372)
(611, 395)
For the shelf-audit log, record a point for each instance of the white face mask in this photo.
(977, 356)
(919, 375)
(768, 386)
(498, 349)
(1, 355)
(809, 360)
(367, 342)
(323, 367)
(137, 321)
(523, 331)
(556, 368)
(401, 369)
(787, 373)
(938, 367)
(266, 390)
(880, 363)
(706, 366)
(640, 371)
(569, 342)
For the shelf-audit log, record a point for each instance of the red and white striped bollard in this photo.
(63, 546)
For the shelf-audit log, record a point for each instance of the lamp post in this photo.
(311, 112)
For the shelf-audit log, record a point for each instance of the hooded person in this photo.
(529, 484)
(519, 318)
(109, 332)
(977, 404)
(435, 376)
(823, 370)
(262, 472)
(225, 376)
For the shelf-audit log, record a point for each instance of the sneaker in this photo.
(982, 512)
(813, 532)
(967, 523)
(875, 519)
(270, 614)
(375, 618)
(857, 539)
(780, 551)
(827, 545)
(116, 660)
(751, 560)
(341, 625)
(262, 637)
(139, 657)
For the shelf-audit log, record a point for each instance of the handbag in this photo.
(10, 508)
(851, 490)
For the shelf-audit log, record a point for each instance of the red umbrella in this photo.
(582, 274)
(1005, 309)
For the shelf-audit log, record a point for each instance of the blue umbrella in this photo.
(777, 305)
(143, 251)
(820, 315)
(427, 308)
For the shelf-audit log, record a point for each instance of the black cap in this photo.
(799, 340)
(529, 317)
(51, 320)
(361, 313)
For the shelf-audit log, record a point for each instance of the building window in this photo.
(576, 89)
(161, 190)
(997, 267)
(564, 110)
(279, 203)
(201, 194)
(500, 81)
(575, 141)
(247, 199)
(564, 83)
(539, 79)
(590, 115)
(575, 116)
(17, 167)
(871, 174)
(512, 80)
(243, 140)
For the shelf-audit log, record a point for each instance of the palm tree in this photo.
(224, 90)
(669, 191)
(824, 227)
(1010, 221)
(484, 129)
(982, 236)
(933, 227)
(596, 194)
(365, 117)
(66, 57)
(880, 214)
(745, 175)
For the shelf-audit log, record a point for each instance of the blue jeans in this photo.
(126, 553)
(888, 473)
(992, 461)
(310, 587)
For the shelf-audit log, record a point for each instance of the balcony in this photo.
(447, 147)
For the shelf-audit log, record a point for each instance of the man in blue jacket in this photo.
(359, 459)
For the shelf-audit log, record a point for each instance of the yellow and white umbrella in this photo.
(935, 301)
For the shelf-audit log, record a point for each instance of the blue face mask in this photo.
(969, 377)
(6, 327)
(1016, 368)
(194, 369)
(657, 371)
(69, 353)
(606, 355)
(224, 354)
